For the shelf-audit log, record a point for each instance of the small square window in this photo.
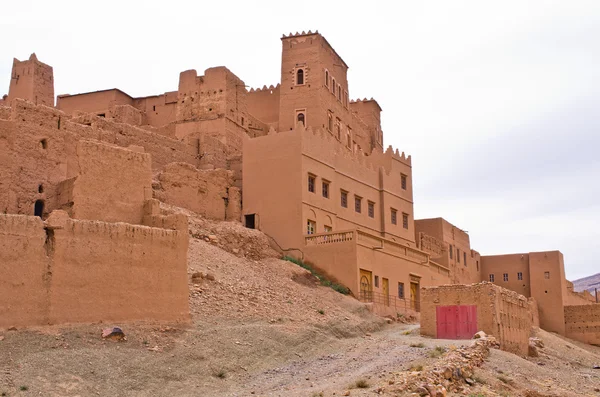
(547, 275)
(519, 276)
(491, 278)
(311, 183)
(394, 217)
(376, 281)
(505, 276)
(311, 227)
(326, 189)
(371, 209)
(357, 204)
(405, 220)
(401, 290)
(403, 181)
(344, 199)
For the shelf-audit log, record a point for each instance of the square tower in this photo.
(32, 80)
(314, 85)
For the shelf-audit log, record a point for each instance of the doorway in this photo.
(250, 221)
(38, 208)
(386, 291)
(366, 285)
(414, 296)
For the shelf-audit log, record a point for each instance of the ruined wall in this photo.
(500, 312)
(24, 271)
(582, 323)
(209, 193)
(112, 183)
(90, 271)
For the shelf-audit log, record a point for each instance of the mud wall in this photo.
(500, 312)
(70, 271)
(582, 323)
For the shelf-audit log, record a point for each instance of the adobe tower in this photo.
(32, 80)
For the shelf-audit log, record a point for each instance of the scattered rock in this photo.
(480, 335)
(469, 381)
(114, 333)
(235, 251)
(537, 342)
(533, 350)
(1, 338)
(346, 393)
(210, 277)
(596, 367)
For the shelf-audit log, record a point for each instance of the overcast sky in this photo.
(499, 105)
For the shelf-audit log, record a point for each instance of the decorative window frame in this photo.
(298, 112)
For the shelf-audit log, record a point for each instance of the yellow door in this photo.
(414, 289)
(366, 285)
(386, 291)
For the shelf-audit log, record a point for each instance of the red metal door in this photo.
(456, 322)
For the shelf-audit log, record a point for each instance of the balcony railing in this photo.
(391, 301)
(329, 237)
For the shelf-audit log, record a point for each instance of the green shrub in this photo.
(361, 384)
(323, 280)
(437, 352)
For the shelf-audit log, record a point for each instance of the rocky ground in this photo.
(265, 327)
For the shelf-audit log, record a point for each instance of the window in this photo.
(465, 258)
(349, 138)
(300, 77)
(403, 181)
(326, 78)
(326, 189)
(345, 98)
(547, 275)
(491, 278)
(457, 255)
(357, 204)
(250, 221)
(311, 183)
(376, 281)
(344, 199)
(311, 226)
(327, 229)
(300, 120)
(451, 251)
(477, 265)
(519, 276)
(401, 290)
(371, 209)
(338, 128)
(405, 220)
(339, 96)
(38, 208)
(333, 86)
(505, 276)
(394, 217)
(329, 122)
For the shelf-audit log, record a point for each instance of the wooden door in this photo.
(456, 322)
(366, 285)
(386, 291)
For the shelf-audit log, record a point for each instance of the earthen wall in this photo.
(582, 323)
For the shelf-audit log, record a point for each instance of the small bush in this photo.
(407, 332)
(221, 374)
(321, 311)
(437, 352)
(416, 368)
(361, 384)
(23, 388)
(419, 345)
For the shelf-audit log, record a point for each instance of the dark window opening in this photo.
(41, 188)
(327, 78)
(38, 208)
(102, 115)
(250, 221)
(405, 221)
(300, 77)
(44, 143)
(371, 209)
(311, 183)
(154, 108)
(394, 217)
(344, 199)
(403, 181)
(301, 119)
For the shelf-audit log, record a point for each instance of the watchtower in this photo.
(32, 80)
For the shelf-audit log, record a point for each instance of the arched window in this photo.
(339, 92)
(300, 77)
(330, 122)
(326, 78)
(301, 120)
(333, 86)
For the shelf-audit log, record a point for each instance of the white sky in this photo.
(499, 104)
